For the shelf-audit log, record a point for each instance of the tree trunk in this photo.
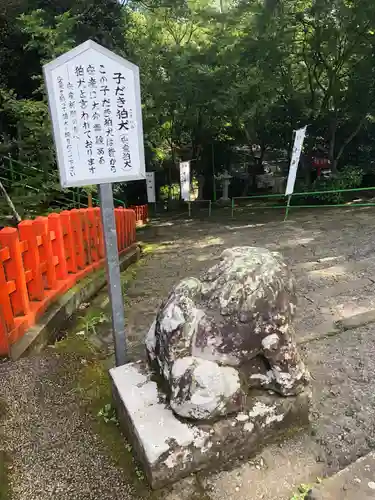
(349, 140)
(332, 143)
(170, 166)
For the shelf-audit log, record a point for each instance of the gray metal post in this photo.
(213, 173)
(113, 272)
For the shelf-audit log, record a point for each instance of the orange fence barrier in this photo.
(141, 213)
(43, 258)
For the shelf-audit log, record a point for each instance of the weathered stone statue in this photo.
(223, 376)
(218, 338)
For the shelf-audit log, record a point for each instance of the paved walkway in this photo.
(60, 448)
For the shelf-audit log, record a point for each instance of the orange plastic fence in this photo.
(141, 213)
(43, 258)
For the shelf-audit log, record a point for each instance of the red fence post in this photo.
(41, 254)
(78, 238)
(141, 213)
(133, 228)
(132, 225)
(100, 232)
(46, 257)
(93, 234)
(31, 260)
(128, 222)
(118, 228)
(70, 250)
(15, 271)
(86, 235)
(58, 250)
(123, 229)
(6, 312)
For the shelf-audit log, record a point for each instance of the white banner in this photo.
(95, 106)
(185, 180)
(150, 184)
(297, 149)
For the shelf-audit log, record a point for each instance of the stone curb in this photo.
(45, 330)
(332, 328)
(355, 482)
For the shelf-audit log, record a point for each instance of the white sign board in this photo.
(297, 149)
(95, 106)
(185, 180)
(150, 184)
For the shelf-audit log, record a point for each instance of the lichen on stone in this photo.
(218, 337)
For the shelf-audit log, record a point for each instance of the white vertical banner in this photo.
(185, 180)
(297, 149)
(150, 184)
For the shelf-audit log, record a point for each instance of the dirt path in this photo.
(60, 448)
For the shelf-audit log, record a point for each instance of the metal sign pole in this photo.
(113, 272)
(213, 173)
(287, 208)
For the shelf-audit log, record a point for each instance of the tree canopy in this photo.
(233, 77)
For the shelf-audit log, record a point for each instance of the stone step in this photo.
(320, 297)
(313, 265)
(345, 305)
(356, 482)
(332, 326)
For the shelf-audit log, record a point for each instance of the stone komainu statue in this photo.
(219, 338)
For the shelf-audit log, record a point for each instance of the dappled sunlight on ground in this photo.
(330, 271)
(209, 242)
(247, 226)
(333, 260)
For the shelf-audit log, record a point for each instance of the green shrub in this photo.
(348, 178)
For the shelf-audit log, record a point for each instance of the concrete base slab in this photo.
(170, 448)
(355, 482)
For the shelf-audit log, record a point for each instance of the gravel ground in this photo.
(343, 371)
(54, 451)
(54, 447)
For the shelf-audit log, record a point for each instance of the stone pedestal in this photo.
(170, 448)
(224, 375)
(225, 178)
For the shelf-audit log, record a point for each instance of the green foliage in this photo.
(108, 414)
(47, 39)
(303, 489)
(170, 192)
(228, 74)
(91, 321)
(348, 178)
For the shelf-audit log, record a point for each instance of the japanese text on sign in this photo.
(95, 108)
(185, 180)
(150, 185)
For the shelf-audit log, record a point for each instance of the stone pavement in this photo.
(355, 482)
(53, 449)
(52, 438)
